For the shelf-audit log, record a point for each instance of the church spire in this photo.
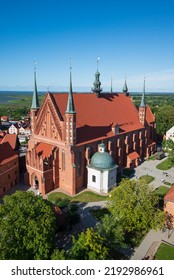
(70, 105)
(97, 89)
(143, 103)
(111, 85)
(125, 88)
(35, 101)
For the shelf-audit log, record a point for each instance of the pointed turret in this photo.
(97, 89)
(35, 101)
(70, 116)
(111, 86)
(70, 105)
(143, 103)
(142, 107)
(35, 104)
(125, 88)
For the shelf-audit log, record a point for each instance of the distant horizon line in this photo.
(58, 91)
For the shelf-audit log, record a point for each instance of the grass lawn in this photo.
(86, 196)
(99, 213)
(165, 165)
(147, 178)
(165, 252)
(151, 158)
(162, 190)
(167, 184)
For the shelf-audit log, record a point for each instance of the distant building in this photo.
(68, 129)
(169, 202)
(14, 129)
(170, 134)
(4, 119)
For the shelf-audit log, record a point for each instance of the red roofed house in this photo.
(169, 202)
(12, 139)
(9, 167)
(68, 128)
(4, 119)
(14, 129)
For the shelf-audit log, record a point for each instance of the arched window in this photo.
(63, 160)
(79, 163)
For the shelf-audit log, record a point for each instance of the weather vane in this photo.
(35, 63)
(70, 63)
(98, 58)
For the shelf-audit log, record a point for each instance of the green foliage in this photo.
(27, 227)
(112, 231)
(62, 203)
(134, 205)
(58, 255)
(171, 156)
(168, 145)
(165, 252)
(73, 207)
(148, 178)
(161, 191)
(165, 164)
(164, 118)
(99, 213)
(89, 246)
(86, 196)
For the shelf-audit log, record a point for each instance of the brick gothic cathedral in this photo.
(69, 129)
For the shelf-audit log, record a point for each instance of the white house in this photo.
(14, 129)
(170, 134)
(102, 171)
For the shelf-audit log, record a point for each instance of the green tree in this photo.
(58, 255)
(27, 227)
(112, 230)
(164, 118)
(134, 205)
(168, 145)
(89, 245)
(171, 156)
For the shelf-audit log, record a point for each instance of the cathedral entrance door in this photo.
(36, 182)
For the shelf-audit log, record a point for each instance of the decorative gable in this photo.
(49, 121)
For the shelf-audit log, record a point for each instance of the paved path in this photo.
(149, 167)
(148, 241)
(87, 218)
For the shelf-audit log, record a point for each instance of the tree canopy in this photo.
(134, 205)
(27, 227)
(164, 118)
(89, 246)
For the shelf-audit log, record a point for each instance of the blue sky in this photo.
(132, 37)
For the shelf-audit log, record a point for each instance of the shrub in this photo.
(62, 203)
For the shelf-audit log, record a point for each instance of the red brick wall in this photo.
(9, 175)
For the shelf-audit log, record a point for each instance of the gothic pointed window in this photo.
(79, 163)
(63, 160)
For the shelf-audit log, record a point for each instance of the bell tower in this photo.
(97, 89)
(125, 88)
(70, 117)
(142, 107)
(35, 104)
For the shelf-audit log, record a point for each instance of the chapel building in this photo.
(78, 138)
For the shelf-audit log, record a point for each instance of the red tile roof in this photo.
(149, 115)
(133, 155)
(170, 195)
(12, 139)
(6, 153)
(95, 116)
(44, 149)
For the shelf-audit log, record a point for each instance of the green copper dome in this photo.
(102, 160)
